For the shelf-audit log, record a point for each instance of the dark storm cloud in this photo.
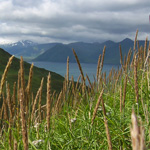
(26, 3)
(67, 21)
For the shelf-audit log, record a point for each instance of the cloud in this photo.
(67, 21)
(26, 3)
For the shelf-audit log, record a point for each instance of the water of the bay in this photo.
(60, 68)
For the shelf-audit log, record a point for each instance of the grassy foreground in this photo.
(80, 117)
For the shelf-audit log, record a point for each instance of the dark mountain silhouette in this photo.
(88, 52)
(57, 52)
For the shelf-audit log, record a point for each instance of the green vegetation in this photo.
(80, 117)
(38, 73)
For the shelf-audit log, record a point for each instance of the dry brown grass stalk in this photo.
(121, 99)
(75, 100)
(98, 66)
(1, 112)
(146, 113)
(9, 101)
(146, 60)
(145, 48)
(140, 57)
(96, 107)
(35, 101)
(132, 62)
(43, 108)
(32, 99)
(5, 115)
(48, 102)
(100, 70)
(22, 77)
(18, 87)
(40, 100)
(72, 86)
(138, 46)
(23, 121)
(101, 64)
(65, 87)
(118, 76)
(135, 40)
(124, 90)
(129, 57)
(89, 81)
(69, 118)
(5, 103)
(104, 78)
(10, 114)
(53, 95)
(79, 65)
(67, 79)
(81, 71)
(1, 118)
(136, 80)
(100, 82)
(115, 75)
(137, 134)
(15, 145)
(121, 58)
(58, 104)
(5, 74)
(125, 64)
(77, 84)
(110, 75)
(28, 88)
(14, 99)
(18, 102)
(106, 126)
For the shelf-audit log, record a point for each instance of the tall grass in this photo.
(101, 115)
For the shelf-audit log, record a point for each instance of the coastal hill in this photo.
(38, 73)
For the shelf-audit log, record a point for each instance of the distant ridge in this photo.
(109, 42)
(58, 52)
(14, 48)
(26, 48)
(88, 52)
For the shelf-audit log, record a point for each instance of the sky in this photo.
(67, 21)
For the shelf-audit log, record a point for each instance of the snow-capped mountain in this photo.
(23, 43)
(14, 48)
(26, 48)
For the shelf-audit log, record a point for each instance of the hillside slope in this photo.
(38, 73)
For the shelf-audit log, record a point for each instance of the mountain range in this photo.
(26, 48)
(15, 48)
(58, 52)
(88, 52)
